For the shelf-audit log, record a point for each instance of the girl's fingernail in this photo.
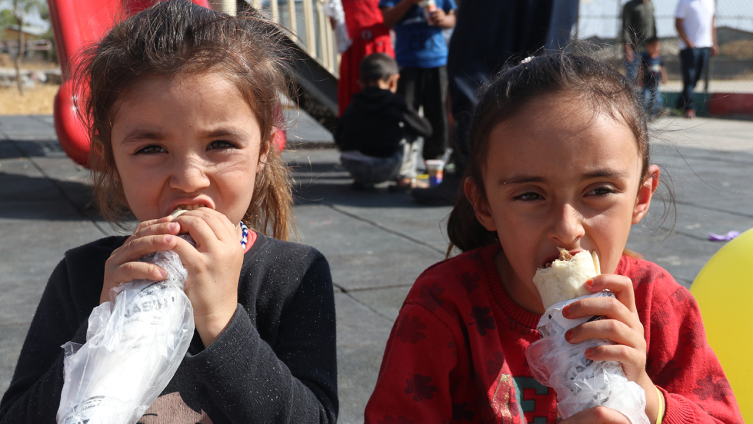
(590, 283)
(173, 226)
(168, 239)
(566, 311)
(163, 273)
(568, 334)
(588, 352)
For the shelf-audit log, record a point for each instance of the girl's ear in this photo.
(98, 149)
(480, 205)
(264, 150)
(645, 192)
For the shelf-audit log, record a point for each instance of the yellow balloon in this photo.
(724, 292)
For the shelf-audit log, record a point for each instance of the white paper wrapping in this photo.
(134, 345)
(581, 383)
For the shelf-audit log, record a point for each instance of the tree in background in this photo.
(22, 9)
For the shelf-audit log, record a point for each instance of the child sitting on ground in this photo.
(559, 160)
(374, 130)
(651, 73)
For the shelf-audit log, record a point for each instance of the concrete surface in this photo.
(377, 243)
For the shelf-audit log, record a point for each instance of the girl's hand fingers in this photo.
(621, 286)
(123, 264)
(599, 414)
(157, 227)
(617, 353)
(207, 225)
(609, 329)
(607, 307)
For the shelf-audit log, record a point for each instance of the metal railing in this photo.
(308, 25)
(306, 21)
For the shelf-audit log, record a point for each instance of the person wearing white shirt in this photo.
(694, 20)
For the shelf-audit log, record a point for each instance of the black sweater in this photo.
(274, 363)
(376, 121)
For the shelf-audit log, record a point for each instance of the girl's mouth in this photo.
(189, 205)
(561, 255)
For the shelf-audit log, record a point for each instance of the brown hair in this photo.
(179, 37)
(593, 81)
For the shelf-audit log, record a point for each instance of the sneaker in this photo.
(690, 114)
(444, 194)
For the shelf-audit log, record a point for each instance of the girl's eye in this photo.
(601, 191)
(150, 149)
(220, 144)
(528, 197)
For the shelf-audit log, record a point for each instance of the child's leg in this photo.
(435, 110)
(647, 100)
(408, 159)
(408, 86)
(370, 170)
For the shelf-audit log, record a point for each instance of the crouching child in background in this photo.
(376, 132)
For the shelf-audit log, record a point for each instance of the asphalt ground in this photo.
(377, 242)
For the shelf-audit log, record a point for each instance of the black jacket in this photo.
(376, 121)
(274, 363)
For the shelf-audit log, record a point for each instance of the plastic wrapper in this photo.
(134, 345)
(581, 383)
(334, 9)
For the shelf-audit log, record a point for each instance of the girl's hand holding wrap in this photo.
(214, 268)
(124, 265)
(622, 326)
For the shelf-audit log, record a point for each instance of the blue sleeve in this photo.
(449, 5)
(387, 3)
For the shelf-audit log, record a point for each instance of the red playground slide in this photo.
(77, 24)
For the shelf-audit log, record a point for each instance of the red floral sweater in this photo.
(456, 351)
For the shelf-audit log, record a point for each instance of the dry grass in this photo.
(36, 100)
(740, 49)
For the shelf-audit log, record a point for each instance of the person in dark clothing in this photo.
(638, 25)
(182, 111)
(376, 131)
(488, 34)
(653, 73)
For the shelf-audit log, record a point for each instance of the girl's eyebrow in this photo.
(599, 173)
(140, 134)
(224, 132)
(605, 173)
(522, 179)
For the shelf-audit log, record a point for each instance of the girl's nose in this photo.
(566, 226)
(189, 176)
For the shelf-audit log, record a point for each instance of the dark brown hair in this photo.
(594, 82)
(377, 67)
(178, 37)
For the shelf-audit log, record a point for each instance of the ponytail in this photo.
(464, 230)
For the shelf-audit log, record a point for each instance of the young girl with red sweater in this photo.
(560, 159)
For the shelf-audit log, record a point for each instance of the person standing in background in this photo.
(694, 21)
(369, 35)
(488, 34)
(421, 52)
(638, 25)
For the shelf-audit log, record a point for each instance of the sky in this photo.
(600, 17)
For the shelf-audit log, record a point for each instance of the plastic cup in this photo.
(435, 169)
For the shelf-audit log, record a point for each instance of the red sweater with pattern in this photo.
(456, 353)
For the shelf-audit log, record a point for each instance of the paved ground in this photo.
(377, 243)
